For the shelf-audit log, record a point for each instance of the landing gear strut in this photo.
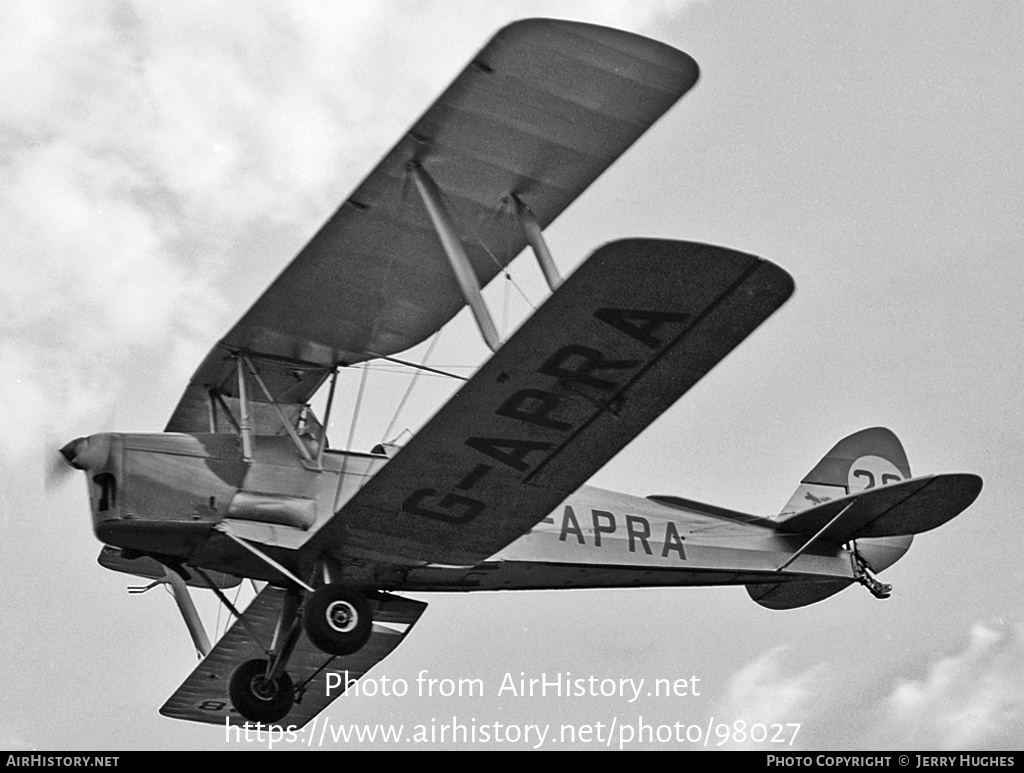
(337, 620)
(261, 689)
(862, 573)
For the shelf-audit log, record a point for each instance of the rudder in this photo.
(866, 459)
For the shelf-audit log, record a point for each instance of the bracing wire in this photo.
(508, 278)
(504, 308)
(413, 365)
(412, 383)
(355, 411)
(216, 625)
(501, 269)
(238, 592)
(351, 432)
(424, 372)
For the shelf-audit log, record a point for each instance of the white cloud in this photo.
(51, 67)
(763, 693)
(139, 144)
(973, 699)
(11, 738)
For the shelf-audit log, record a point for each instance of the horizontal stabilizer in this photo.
(909, 507)
(203, 697)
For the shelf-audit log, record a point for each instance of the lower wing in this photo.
(203, 697)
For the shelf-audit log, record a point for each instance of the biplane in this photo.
(490, 494)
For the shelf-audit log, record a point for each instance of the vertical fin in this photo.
(866, 459)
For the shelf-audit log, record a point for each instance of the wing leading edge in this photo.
(628, 333)
(539, 113)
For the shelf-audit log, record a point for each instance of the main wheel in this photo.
(258, 698)
(337, 620)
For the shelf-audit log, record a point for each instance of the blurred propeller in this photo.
(84, 453)
(57, 466)
(74, 453)
(61, 459)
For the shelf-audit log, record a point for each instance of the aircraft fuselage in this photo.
(176, 495)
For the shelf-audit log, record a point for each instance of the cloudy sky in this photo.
(160, 164)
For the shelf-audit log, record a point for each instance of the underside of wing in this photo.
(537, 115)
(151, 569)
(633, 329)
(203, 697)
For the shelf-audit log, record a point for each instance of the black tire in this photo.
(257, 698)
(337, 620)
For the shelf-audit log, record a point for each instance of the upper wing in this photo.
(623, 338)
(539, 113)
(203, 696)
